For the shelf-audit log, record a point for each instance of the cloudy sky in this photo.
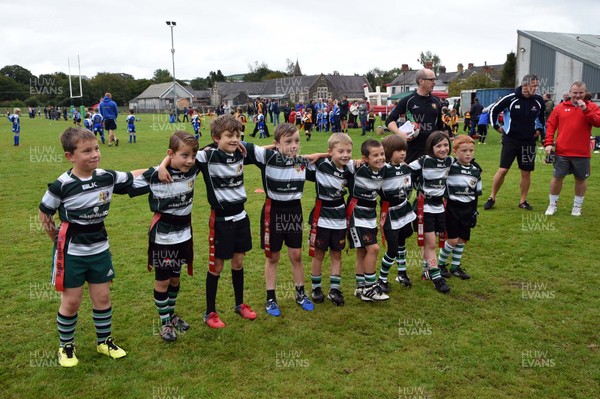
(349, 36)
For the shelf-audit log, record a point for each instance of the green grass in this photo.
(524, 326)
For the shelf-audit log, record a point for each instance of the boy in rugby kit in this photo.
(283, 176)
(170, 236)
(222, 167)
(131, 126)
(464, 187)
(98, 127)
(396, 212)
(328, 217)
(196, 123)
(16, 125)
(81, 252)
(363, 186)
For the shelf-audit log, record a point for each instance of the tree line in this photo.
(19, 87)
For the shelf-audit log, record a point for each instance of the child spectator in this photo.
(76, 117)
(454, 122)
(307, 123)
(222, 166)
(239, 115)
(464, 187)
(97, 126)
(429, 174)
(283, 175)
(371, 121)
(82, 198)
(328, 217)
(16, 125)
(396, 213)
(467, 122)
(131, 126)
(196, 124)
(363, 186)
(87, 122)
(170, 242)
(482, 126)
(447, 120)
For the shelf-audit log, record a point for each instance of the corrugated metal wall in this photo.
(543, 63)
(591, 77)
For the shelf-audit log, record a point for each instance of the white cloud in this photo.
(352, 36)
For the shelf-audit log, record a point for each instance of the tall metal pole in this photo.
(172, 24)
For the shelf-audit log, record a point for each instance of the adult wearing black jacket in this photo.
(422, 108)
(518, 140)
(476, 111)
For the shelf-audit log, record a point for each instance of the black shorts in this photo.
(524, 151)
(458, 221)
(285, 227)
(167, 260)
(397, 238)
(434, 222)
(307, 126)
(343, 117)
(110, 124)
(330, 239)
(361, 237)
(232, 238)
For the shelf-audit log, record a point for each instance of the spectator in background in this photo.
(476, 110)
(574, 120)
(344, 109)
(109, 111)
(276, 111)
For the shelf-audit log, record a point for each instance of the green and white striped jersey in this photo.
(282, 177)
(224, 178)
(464, 182)
(85, 202)
(330, 183)
(174, 198)
(430, 174)
(364, 184)
(396, 189)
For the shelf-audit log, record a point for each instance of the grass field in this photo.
(525, 326)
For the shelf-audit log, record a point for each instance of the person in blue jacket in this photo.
(109, 111)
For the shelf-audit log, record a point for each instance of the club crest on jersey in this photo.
(473, 182)
(190, 184)
(240, 169)
(104, 197)
(434, 106)
(407, 181)
(298, 167)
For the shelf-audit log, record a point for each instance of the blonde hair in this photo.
(338, 138)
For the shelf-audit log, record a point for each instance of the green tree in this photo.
(12, 90)
(428, 56)
(199, 84)
(162, 76)
(18, 73)
(475, 81)
(508, 78)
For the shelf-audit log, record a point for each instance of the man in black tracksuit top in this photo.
(518, 139)
(422, 108)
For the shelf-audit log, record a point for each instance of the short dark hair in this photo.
(180, 138)
(73, 136)
(284, 129)
(365, 148)
(528, 78)
(435, 138)
(225, 123)
(393, 143)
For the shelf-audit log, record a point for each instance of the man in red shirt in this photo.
(574, 120)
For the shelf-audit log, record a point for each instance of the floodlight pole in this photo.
(171, 25)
